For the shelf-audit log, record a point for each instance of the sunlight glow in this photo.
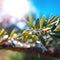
(16, 8)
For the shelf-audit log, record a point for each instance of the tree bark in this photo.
(53, 52)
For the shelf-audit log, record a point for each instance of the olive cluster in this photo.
(27, 35)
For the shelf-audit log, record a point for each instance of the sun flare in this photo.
(16, 8)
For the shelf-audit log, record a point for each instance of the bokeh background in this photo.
(12, 13)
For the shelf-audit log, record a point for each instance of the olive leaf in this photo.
(30, 21)
(37, 23)
(42, 40)
(57, 28)
(51, 18)
(1, 32)
(5, 33)
(12, 33)
(54, 19)
(55, 35)
(42, 21)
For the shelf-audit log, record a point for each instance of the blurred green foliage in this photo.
(10, 55)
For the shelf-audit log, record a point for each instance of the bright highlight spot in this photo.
(16, 8)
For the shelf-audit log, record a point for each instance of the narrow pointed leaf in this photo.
(1, 32)
(42, 21)
(51, 18)
(54, 19)
(12, 33)
(42, 40)
(55, 35)
(57, 28)
(30, 20)
(37, 23)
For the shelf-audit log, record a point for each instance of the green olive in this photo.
(25, 39)
(29, 36)
(25, 33)
(34, 38)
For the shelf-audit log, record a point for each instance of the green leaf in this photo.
(50, 19)
(42, 40)
(37, 23)
(5, 33)
(55, 35)
(42, 21)
(1, 32)
(54, 19)
(30, 21)
(50, 42)
(57, 28)
(12, 33)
